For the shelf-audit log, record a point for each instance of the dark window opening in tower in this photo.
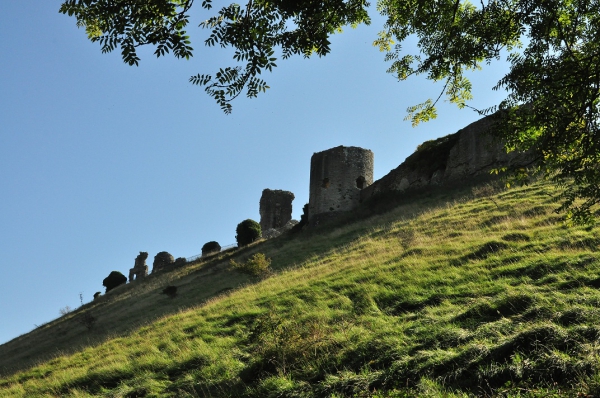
(360, 182)
(325, 183)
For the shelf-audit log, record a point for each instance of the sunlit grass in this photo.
(481, 294)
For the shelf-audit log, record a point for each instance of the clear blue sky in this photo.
(101, 160)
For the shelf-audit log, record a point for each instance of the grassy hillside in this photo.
(469, 293)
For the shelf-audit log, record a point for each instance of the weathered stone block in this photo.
(140, 269)
(161, 261)
(275, 208)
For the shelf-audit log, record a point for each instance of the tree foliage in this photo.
(211, 247)
(258, 265)
(553, 84)
(114, 279)
(552, 46)
(254, 30)
(247, 232)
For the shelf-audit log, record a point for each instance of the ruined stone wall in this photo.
(337, 177)
(162, 261)
(478, 151)
(140, 269)
(472, 151)
(275, 208)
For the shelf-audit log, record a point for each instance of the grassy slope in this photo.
(488, 296)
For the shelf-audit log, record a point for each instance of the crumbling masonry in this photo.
(342, 177)
(337, 176)
(140, 269)
(459, 158)
(162, 261)
(275, 208)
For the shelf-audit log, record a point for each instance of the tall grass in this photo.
(486, 294)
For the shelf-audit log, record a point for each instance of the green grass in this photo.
(478, 293)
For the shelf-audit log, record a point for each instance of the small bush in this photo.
(210, 247)
(180, 261)
(114, 279)
(247, 232)
(65, 310)
(257, 265)
(88, 320)
(170, 291)
(97, 294)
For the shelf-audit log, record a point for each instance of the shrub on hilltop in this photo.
(211, 247)
(247, 232)
(114, 279)
(257, 265)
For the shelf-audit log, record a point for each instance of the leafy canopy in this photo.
(254, 30)
(553, 47)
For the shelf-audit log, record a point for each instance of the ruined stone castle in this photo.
(342, 177)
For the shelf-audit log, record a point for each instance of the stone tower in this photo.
(275, 208)
(337, 176)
